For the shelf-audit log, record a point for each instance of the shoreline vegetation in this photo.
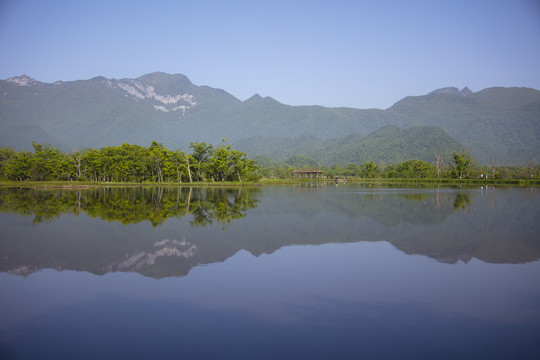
(75, 185)
(207, 165)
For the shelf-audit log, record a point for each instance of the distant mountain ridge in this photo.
(389, 145)
(454, 91)
(495, 124)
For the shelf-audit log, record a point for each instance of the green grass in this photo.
(397, 181)
(377, 181)
(90, 184)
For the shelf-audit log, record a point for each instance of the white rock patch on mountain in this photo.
(167, 103)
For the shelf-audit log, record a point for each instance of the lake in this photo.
(310, 271)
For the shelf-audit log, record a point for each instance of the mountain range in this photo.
(495, 124)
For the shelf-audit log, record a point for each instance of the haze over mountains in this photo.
(494, 124)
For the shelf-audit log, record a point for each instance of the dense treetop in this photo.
(128, 163)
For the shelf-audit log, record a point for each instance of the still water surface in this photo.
(275, 272)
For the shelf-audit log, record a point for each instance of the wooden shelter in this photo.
(308, 173)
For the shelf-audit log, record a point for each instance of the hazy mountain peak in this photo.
(163, 79)
(258, 99)
(466, 91)
(453, 90)
(23, 80)
(255, 97)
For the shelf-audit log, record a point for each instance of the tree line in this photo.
(206, 162)
(461, 166)
(128, 163)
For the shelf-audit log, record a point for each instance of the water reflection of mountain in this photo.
(386, 206)
(148, 230)
(169, 231)
(494, 225)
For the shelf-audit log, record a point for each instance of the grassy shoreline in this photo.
(95, 185)
(512, 182)
(262, 182)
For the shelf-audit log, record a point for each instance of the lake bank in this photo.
(369, 181)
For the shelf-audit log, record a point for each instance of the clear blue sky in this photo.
(363, 54)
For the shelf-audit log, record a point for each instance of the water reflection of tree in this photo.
(216, 204)
(414, 197)
(462, 201)
(133, 205)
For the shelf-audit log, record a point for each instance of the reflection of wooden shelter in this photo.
(308, 174)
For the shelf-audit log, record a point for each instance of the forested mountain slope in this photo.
(501, 124)
(388, 145)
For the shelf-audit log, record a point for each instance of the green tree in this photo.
(91, 163)
(46, 163)
(461, 166)
(354, 169)
(157, 160)
(202, 152)
(76, 159)
(180, 166)
(19, 166)
(370, 169)
(6, 154)
(390, 171)
(242, 167)
(221, 162)
(415, 168)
